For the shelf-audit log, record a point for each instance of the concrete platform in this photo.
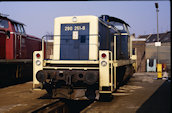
(142, 94)
(21, 98)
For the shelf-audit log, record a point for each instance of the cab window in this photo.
(126, 28)
(4, 23)
(18, 27)
(119, 26)
(22, 29)
(15, 28)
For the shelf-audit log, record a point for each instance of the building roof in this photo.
(139, 39)
(142, 36)
(163, 37)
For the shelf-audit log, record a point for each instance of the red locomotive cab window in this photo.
(15, 27)
(22, 29)
(4, 23)
(18, 27)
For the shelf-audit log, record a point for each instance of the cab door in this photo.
(4, 33)
(2, 44)
(17, 42)
(22, 44)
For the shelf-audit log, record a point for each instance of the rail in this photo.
(55, 107)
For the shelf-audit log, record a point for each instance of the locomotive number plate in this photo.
(75, 35)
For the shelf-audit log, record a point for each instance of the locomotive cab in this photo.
(88, 53)
(14, 42)
(16, 51)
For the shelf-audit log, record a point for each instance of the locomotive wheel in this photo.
(90, 94)
(105, 97)
(50, 89)
(54, 93)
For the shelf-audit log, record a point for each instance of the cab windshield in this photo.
(118, 25)
(3, 23)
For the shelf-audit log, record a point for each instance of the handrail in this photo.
(111, 65)
(43, 46)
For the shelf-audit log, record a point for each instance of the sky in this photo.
(39, 16)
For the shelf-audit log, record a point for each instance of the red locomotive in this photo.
(14, 42)
(16, 49)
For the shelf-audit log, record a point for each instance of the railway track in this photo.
(54, 107)
(63, 106)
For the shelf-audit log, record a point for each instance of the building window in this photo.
(134, 52)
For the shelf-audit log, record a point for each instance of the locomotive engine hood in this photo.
(76, 38)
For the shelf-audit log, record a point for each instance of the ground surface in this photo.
(143, 94)
(20, 98)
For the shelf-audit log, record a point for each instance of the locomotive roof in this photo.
(110, 18)
(14, 21)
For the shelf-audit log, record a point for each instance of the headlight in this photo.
(38, 62)
(74, 19)
(103, 63)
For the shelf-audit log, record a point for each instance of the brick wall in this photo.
(140, 53)
(164, 53)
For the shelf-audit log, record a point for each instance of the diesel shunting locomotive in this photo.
(14, 42)
(88, 52)
(16, 51)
